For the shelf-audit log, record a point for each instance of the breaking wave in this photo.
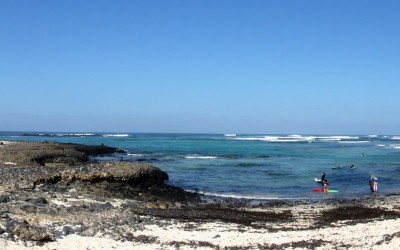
(200, 157)
(116, 135)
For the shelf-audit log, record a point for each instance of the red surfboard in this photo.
(321, 190)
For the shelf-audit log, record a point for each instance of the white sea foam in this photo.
(250, 138)
(200, 157)
(381, 145)
(229, 135)
(299, 138)
(135, 155)
(394, 146)
(350, 142)
(395, 138)
(76, 135)
(289, 138)
(337, 138)
(246, 197)
(295, 136)
(82, 134)
(116, 135)
(329, 139)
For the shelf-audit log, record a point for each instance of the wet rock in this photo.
(4, 198)
(51, 212)
(39, 200)
(24, 231)
(28, 208)
(4, 214)
(67, 230)
(82, 228)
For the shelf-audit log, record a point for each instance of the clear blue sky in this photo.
(211, 66)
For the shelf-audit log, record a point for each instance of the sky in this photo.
(200, 66)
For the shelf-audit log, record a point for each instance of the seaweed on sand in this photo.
(355, 214)
(218, 213)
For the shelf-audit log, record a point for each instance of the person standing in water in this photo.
(373, 183)
(326, 185)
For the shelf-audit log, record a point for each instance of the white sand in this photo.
(340, 235)
(7, 142)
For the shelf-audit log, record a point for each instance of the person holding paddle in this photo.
(323, 175)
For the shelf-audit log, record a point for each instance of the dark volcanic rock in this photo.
(25, 231)
(67, 230)
(42, 153)
(37, 179)
(135, 174)
(66, 165)
(39, 200)
(4, 198)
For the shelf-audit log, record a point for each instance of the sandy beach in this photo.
(302, 231)
(67, 213)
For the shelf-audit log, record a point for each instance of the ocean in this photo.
(259, 167)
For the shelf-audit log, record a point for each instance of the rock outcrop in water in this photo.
(25, 165)
(45, 184)
(49, 153)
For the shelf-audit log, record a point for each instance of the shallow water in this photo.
(254, 166)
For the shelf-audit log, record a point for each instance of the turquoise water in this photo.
(254, 166)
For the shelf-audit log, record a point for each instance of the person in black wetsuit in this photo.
(323, 175)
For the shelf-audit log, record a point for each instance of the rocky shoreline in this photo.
(37, 178)
(53, 197)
